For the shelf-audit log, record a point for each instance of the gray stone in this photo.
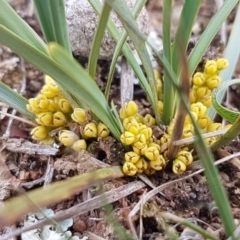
(82, 23)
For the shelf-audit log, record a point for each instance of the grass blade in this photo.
(124, 13)
(168, 107)
(54, 193)
(232, 133)
(231, 53)
(52, 18)
(69, 75)
(126, 51)
(10, 19)
(209, 33)
(135, 12)
(97, 42)
(15, 100)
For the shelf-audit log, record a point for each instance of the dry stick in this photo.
(156, 190)
(18, 118)
(91, 204)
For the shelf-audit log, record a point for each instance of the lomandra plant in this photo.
(71, 97)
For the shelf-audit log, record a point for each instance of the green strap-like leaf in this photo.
(125, 15)
(227, 114)
(97, 42)
(67, 73)
(209, 33)
(52, 18)
(10, 19)
(15, 100)
(126, 51)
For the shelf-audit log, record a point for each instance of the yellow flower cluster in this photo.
(145, 155)
(204, 82)
(149, 154)
(53, 110)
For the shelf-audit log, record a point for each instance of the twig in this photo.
(24, 146)
(156, 190)
(18, 118)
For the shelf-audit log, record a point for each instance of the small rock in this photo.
(79, 225)
(82, 24)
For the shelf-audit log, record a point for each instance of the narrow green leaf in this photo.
(168, 90)
(209, 33)
(231, 53)
(232, 133)
(44, 16)
(15, 100)
(69, 75)
(186, 21)
(10, 19)
(97, 42)
(212, 174)
(135, 12)
(227, 114)
(122, 10)
(126, 51)
(52, 18)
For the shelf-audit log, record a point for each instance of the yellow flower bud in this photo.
(160, 106)
(203, 92)
(178, 166)
(67, 138)
(139, 118)
(139, 149)
(130, 124)
(122, 114)
(158, 164)
(213, 81)
(130, 108)
(204, 121)
(39, 133)
(79, 145)
(49, 80)
(47, 141)
(149, 120)
(206, 101)
(188, 119)
(90, 130)
(185, 156)
(198, 79)
(79, 115)
(149, 170)
(127, 138)
(192, 96)
(155, 145)
(63, 105)
(102, 130)
(152, 153)
(146, 131)
(131, 157)
(129, 169)
(140, 139)
(165, 141)
(199, 109)
(214, 127)
(44, 118)
(141, 165)
(222, 64)
(59, 119)
(188, 130)
(211, 67)
(50, 90)
(156, 74)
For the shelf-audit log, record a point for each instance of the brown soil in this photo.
(188, 198)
